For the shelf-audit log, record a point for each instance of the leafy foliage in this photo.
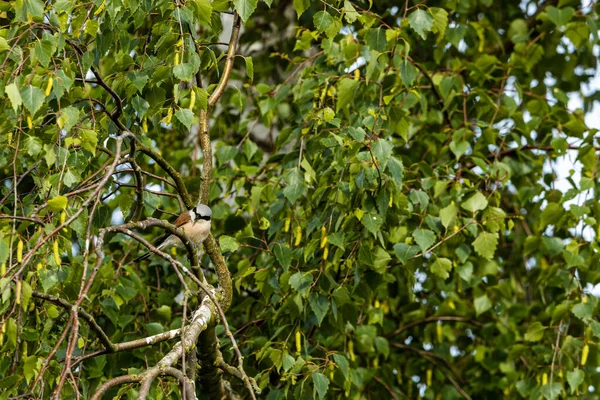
(383, 191)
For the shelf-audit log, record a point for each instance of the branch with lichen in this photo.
(208, 342)
(201, 319)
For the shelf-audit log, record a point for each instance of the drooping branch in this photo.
(169, 170)
(440, 362)
(84, 314)
(27, 258)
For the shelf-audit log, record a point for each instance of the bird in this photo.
(195, 224)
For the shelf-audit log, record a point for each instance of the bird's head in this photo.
(202, 211)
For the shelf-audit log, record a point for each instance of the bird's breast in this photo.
(198, 231)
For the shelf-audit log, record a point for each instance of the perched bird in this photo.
(195, 224)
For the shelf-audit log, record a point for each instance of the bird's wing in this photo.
(183, 219)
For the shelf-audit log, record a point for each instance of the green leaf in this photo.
(228, 244)
(26, 292)
(287, 361)
(419, 198)
(350, 13)
(183, 71)
(485, 244)
(572, 259)
(33, 98)
(319, 304)
(249, 68)
(345, 90)
(342, 363)
(300, 6)
(448, 214)
(382, 150)
(264, 224)
(584, 311)
(139, 80)
(535, 332)
(396, 170)
(575, 378)
(482, 304)
(14, 96)
(357, 134)
(140, 106)
(89, 140)
(29, 8)
(43, 52)
(57, 203)
(383, 346)
(459, 148)
(69, 117)
(441, 267)
(338, 239)
(185, 116)
(70, 178)
(321, 384)
(4, 250)
(421, 22)
(551, 390)
(201, 98)
(372, 222)
(203, 10)
(465, 271)
(376, 39)
(301, 282)
(295, 185)
(33, 146)
(405, 252)
(3, 45)
(283, 254)
(440, 20)
(328, 114)
(424, 238)
(408, 72)
(322, 20)
(477, 202)
(559, 16)
(31, 367)
(551, 215)
(245, 8)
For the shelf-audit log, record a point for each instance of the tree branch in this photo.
(84, 314)
(171, 171)
(434, 319)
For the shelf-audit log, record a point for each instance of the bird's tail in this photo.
(141, 258)
(160, 246)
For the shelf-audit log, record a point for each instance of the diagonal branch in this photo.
(212, 100)
(82, 313)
